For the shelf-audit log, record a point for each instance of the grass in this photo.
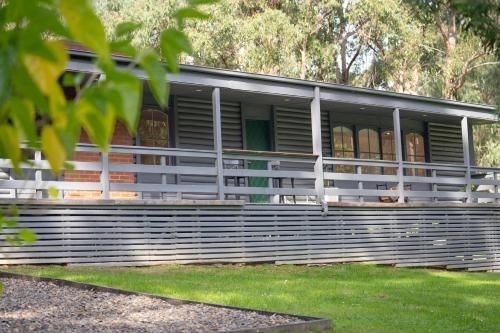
(358, 298)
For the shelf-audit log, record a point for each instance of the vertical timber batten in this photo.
(317, 146)
(465, 142)
(218, 142)
(399, 154)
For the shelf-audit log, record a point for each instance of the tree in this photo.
(458, 51)
(34, 112)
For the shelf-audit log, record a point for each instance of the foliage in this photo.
(357, 298)
(33, 107)
(35, 112)
(483, 19)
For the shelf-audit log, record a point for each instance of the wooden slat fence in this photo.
(454, 237)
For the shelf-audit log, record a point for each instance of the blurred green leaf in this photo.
(157, 75)
(85, 26)
(53, 149)
(173, 42)
(27, 236)
(53, 192)
(23, 117)
(125, 28)
(46, 73)
(125, 94)
(96, 116)
(189, 13)
(7, 58)
(124, 47)
(10, 144)
(72, 79)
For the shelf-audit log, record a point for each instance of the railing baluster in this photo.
(495, 178)
(38, 174)
(163, 162)
(105, 175)
(359, 171)
(434, 185)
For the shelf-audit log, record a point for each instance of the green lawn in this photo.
(358, 298)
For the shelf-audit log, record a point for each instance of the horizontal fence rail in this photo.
(348, 179)
(89, 234)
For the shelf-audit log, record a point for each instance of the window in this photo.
(388, 148)
(369, 148)
(415, 151)
(343, 142)
(388, 151)
(369, 144)
(343, 146)
(153, 132)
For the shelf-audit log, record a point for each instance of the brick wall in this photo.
(120, 137)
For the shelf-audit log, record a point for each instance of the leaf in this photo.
(23, 117)
(45, 73)
(7, 58)
(53, 192)
(53, 149)
(157, 75)
(124, 47)
(96, 116)
(124, 92)
(27, 236)
(173, 42)
(125, 28)
(189, 13)
(10, 144)
(85, 26)
(72, 79)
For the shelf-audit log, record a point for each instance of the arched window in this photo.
(153, 132)
(388, 150)
(343, 142)
(415, 151)
(343, 146)
(369, 148)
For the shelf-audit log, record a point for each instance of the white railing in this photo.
(124, 172)
(134, 172)
(376, 180)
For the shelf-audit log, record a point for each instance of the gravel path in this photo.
(28, 306)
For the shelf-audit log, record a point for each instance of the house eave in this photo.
(282, 86)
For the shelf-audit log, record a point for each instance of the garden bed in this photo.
(45, 304)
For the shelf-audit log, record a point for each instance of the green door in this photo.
(257, 138)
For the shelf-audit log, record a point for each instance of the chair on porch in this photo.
(235, 180)
(391, 199)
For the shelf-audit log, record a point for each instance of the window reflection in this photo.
(369, 147)
(343, 146)
(415, 152)
(388, 150)
(153, 132)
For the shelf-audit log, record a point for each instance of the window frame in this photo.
(354, 139)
